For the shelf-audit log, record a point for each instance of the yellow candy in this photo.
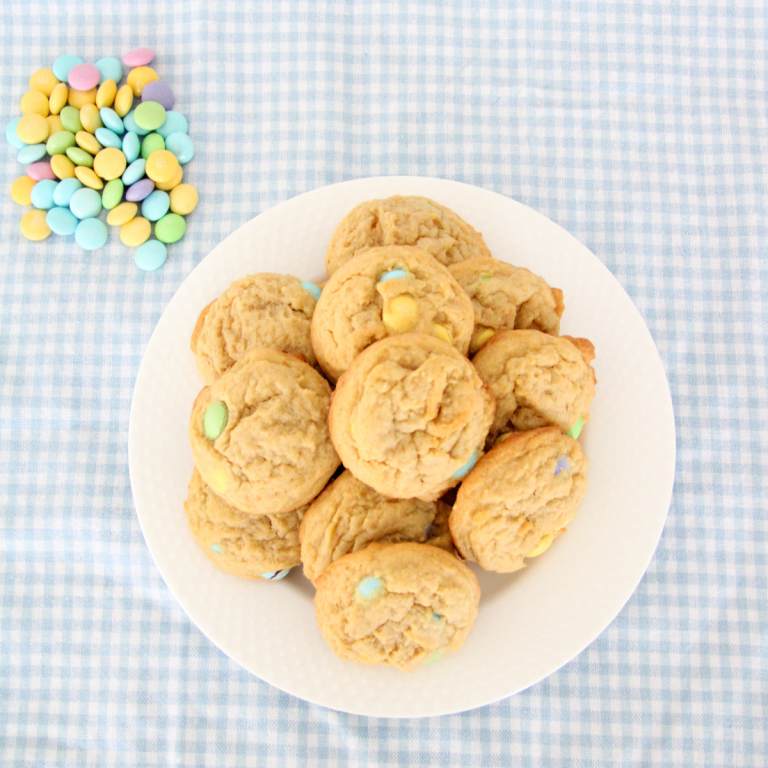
(33, 129)
(78, 99)
(44, 81)
(479, 339)
(139, 77)
(162, 166)
(501, 437)
(135, 232)
(58, 99)
(167, 186)
(219, 480)
(90, 118)
(122, 214)
(87, 142)
(62, 167)
(183, 199)
(105, 96)
(88, 177)
(34, 103)
(543, 546)
(401, 314)
(21, 190)
(124, 100)
(54, 124)
(109, 163)
(442, 333)
(33, 225)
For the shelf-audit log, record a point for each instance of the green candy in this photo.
(60, 142)
(215, 419)
(170, 228)
(70, 119)
(80, 156)
(152, 143)
(486, 277)
(112, 194)
(149, 115)
(575, 430)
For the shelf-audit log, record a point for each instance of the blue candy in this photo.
(109, 69)
(465, 469)
(155, 205)
(12, 136)
(31, 154)
(131, 146)
(149, 256)
(276, 575)
(215, 547)
(369, 586)
(175, 122)
(181, 146)
(134, 172)
(85, 203)
(130, 125)
(64, 191)
(108, 138)
(313, 289)
(61, 221)
(393, 274)
(112, 120)
(91, 234)
(42, 194)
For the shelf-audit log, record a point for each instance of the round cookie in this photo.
(348, 516)
(506, 297)
(250, 546)
(398, 604)
(410, 416)
(401, 220)
(382, 292)
(262, 310)
(537, 380)
(518, 499)
(259, 433)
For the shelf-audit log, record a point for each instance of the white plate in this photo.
(531, 622)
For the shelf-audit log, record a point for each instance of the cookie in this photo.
(410, 416)
(397, 604)
(348, 516)
(506, 297)
(250, 546)
(262, 310)
(404, 221)
(519, 498)
(259, 433)
(383, 292)
(537, 380)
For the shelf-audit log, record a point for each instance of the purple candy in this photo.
(562, 466)
(139, 190)
(159, 92)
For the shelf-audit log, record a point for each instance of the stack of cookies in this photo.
(346, 428)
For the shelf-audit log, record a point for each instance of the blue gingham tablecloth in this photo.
(639, 127)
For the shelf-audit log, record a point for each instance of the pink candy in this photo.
(83, 77)
(40, 171)
(138, 58)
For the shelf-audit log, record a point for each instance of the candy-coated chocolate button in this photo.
(401, 314)
(215, 419)
(12, 136)
(58, 99)
(170, 228)
(78, 99)
(217, 549)
(122, 214)
(91, 234)
(155, 205)
(64, 191)
(112, 194)
(33, 225)
(135, 232)
(138, 57)
(369, 587)
(131, 146)
(153, 142)
(40, 170)
(64, 65)
(112, 120)
(88, 177)
(479, 339)
(175, 122)
(70, 119)
(109, 68)
(184, 201)
(129, 121)
(181, 146)
(21, 189)
(162, 166)
(275, 575)
(61, 221)
(90, 118)
(83, 77)
(149, 115)
(139, 77)
(465, 469)
(167, 186)
(31, 154)
(562, 465)
(32, 129)
(88, 142)
(315, 290)
(393, 274)
(134, 172)
(442, 333)
(575, 430)
(34, 103)
(63, 167)
(109, 163)
(54, 124)
(85, 203)
(159, 92)
(123, 100)
(44, 81)
(139, 190)
(108, 138)
(152, 255)
(80, 157)
(105, 95)
(542, 546)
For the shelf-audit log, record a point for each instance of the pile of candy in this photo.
(100, 147)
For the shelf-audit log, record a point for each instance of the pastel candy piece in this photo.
(124, 100)
(90, 118)
(575, 430)
(442, 333)
(44, 80)
(112, 194)
(155, 205)
(149, 115)
(481, 338)
(85, 203)
(181, 146)
(465, 469)
(486, 278)
(13, 138)
(122, 214)
(138, 57)
(64, 191)
(112, 120)
(275, 575)
(78, 99)
(152, 143)
(61, 221)
(184, 201)
(370, 586)
(108, 138)
(167, 186)
(434, 657)
(58, 99)
(215, 547)
(315, 290)
(215, 419)
(109, 68)
(33, 225)
(131, 146)
(139, 77)
(60, 142)
(159, 92)
(393, 274)
(139, 190)
(105, 95)
(401, 314)
(542, 546)
(63, 167)
(80, 157)
(162, 166)
(135, 232)
(83, 77)
(88, 177)
(34, 103)
(151, 255)
(170, 228)
(54, 125)
(32, 129)
(134, 172)
(175, 122)
(109, 163)
(64, 65)
(31, 154)
(40, 170)
(91, 234)
(436, 616)
(130, 124)
(21, 190)
(562, 465)
(70, 119)
(88, 142)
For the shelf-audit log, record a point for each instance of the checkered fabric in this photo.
(640, 127)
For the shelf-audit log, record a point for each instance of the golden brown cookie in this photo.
(348, 516)
(506, 297)
(404, 221)
(383, 292)
(250, 546)
(398, 604)
(537, 380)
(261, 310)
(410, 416)
(519, 497)
(259, 433)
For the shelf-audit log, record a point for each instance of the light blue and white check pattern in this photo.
(640, 127)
